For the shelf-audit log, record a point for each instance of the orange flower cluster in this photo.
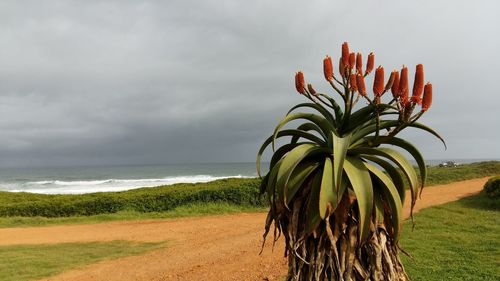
(359, 63)
(378, 82)
(300, 84)
(370, 63)
(328, 68)
(360, 81)
(352, 78)
(418, 85)
(354, 84)
(426, 103)
(400, 89)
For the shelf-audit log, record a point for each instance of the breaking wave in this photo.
(108, 185)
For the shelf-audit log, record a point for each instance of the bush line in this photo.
(154, 199)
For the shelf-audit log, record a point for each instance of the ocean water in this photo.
(78, 180)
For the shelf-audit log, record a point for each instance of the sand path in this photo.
(222, 247)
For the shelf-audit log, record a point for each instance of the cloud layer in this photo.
(128, 82)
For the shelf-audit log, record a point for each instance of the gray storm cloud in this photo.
(129, 82)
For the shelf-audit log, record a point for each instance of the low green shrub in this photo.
(492, 187)
(154, 199)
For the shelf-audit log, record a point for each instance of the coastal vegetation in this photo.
(143, 200)
(179, 200)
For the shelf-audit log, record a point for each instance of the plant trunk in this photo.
(333, 251)
(337, 256)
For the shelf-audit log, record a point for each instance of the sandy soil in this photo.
(222, 247)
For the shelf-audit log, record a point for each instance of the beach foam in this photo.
(91, 186)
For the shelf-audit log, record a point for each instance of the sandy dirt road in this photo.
(222, 247)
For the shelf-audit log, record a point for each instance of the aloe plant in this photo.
(336, 182)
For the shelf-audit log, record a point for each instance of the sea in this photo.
(90, 179)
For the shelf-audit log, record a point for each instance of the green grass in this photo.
(455, 241)
(179, 200)
(190, 210)
(30, 262)
(437, 175)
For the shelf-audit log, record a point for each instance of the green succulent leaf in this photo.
(323, 123)
(271, 184)
(263, 184)
(312, 213)
(283, 150)
(370, 128)
(308, 126)
(340, 146)
(366, 114)
(391, 196)
(398, 159)
(362, 185)
(379, 210)
(429, 130)
(392, 172)
(290, 162)
(298, 178)
(336, 108)
(271, 180)
(284, 133)
(327, 195)
(412, 150)
(325, 113)
(301, 134)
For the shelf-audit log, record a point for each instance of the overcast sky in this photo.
(144, 82)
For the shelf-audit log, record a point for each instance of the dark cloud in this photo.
(129, 82)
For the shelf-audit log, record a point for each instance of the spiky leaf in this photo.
(362, 185)
(323, 123)
(290, 161)
(312, 213)
(298, 178)
(327, 195)
(391, 196)
(340, 146)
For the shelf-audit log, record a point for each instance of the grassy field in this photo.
(455, 241)
(437, 175)
(31, 262)
(223, 196)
